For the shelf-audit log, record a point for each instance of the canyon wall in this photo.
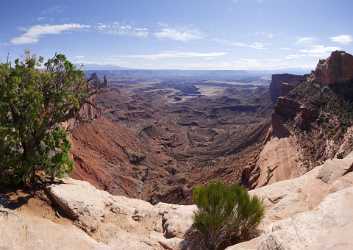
(310, 124)
(282, 84)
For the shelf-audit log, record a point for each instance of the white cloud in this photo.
(318, 50)
(342, 39)
(174, 55)
(253, 45)
(34, 33)
(182, 35)
(314, 52)
(306, 40)
(122, 30)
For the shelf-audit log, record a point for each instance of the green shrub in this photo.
(226, 214)
(35, 99)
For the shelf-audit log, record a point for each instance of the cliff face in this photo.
(111, 157)
(311, 123)
(282, 84)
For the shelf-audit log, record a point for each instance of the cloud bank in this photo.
(36, 32)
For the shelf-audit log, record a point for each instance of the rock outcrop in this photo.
(310, 123)
(120, 222)
(96, 82)
(282, 84)
(313, 211)
(335, 69)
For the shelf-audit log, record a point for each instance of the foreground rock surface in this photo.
(314, 211)
(19, 232)
(329, 226)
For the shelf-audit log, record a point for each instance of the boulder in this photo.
(335, 69)
(118, 221)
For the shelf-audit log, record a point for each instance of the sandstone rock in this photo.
(177, 219)
(334, 169)
(285, 198)
(20, 232)
(278, 161)
(308, 212)
(329, 226)
(120, 222)
(124, 223)
(173, 244)
(313, 211)
(281, 156)
(337, 68)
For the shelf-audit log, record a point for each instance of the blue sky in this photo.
(179, 34)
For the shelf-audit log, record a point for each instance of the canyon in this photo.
(156, 140)
(144, 145)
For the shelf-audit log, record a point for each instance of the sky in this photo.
(179, 34)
